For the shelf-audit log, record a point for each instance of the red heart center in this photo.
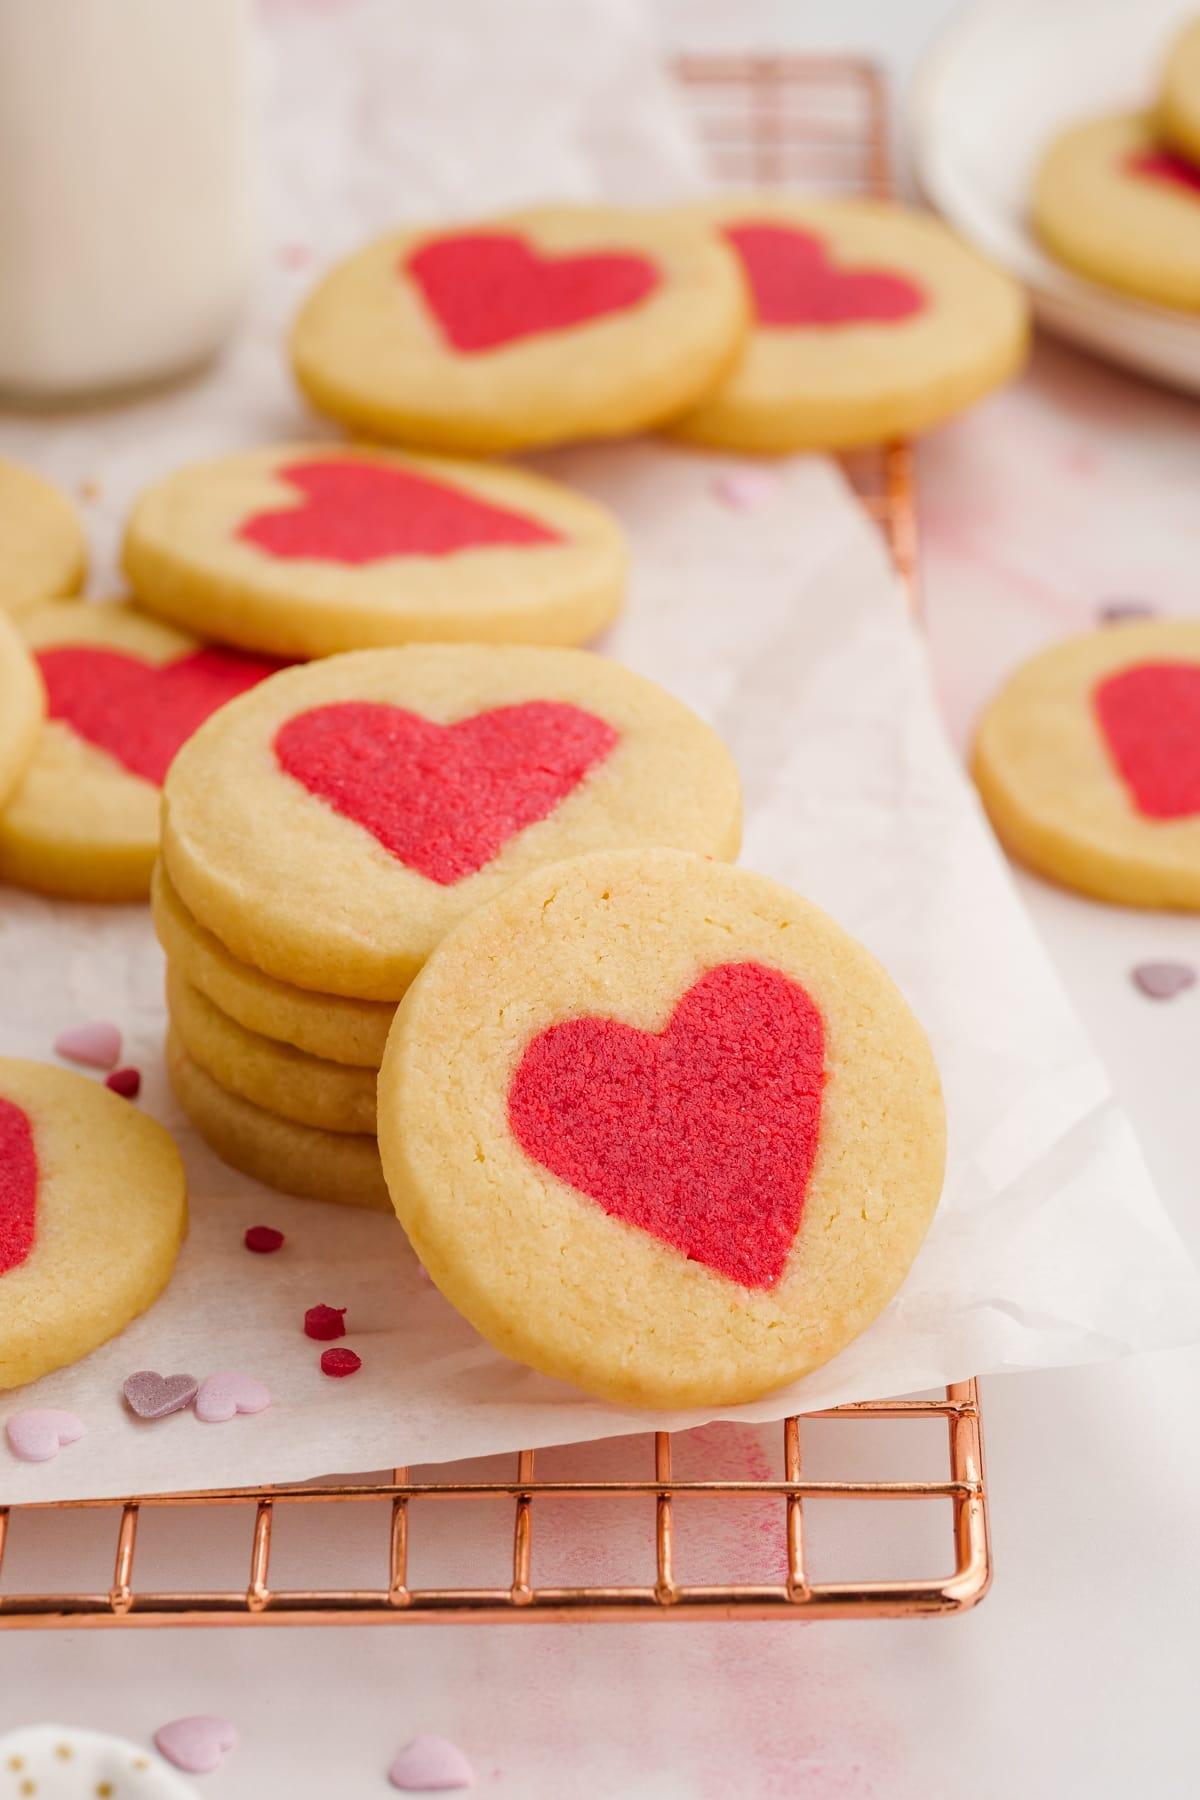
(794, 282)
(18, 1187)
(488, 288)
(703, 1134)
(141, 712)
(1150, 717)
(360, 512)
(443, 799)
(1165, 165)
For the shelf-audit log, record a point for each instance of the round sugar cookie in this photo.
(279, 1078)
(325, 1025)
(42, 550)
(1114, 203)
(1088, 762)
(93, 1209)
(22, 709)
(296, 1159)
(123, 692)
(1178, 116)
(872, 322)
(332, 826)
(548, 325)
(310, 549)
(679, 1143)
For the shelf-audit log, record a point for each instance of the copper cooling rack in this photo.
(816, 122)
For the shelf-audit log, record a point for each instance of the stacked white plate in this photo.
(987, 100)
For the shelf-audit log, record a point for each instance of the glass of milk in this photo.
(124, 176)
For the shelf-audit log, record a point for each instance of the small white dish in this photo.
(989, 96)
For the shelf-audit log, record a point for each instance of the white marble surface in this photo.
(1077, 1675)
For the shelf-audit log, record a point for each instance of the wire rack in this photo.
(816, 122)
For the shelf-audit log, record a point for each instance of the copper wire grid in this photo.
(819, 122)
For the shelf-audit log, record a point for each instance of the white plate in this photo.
(987, 99)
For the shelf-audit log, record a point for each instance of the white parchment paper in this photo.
(784, 626)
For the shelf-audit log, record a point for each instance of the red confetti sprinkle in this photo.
(263, 1239)
(340, 1362)
(126, 1082)
(325, 1322)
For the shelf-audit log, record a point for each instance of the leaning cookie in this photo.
(93, 1209)
(124, 691)
(42, 550)
(534, 329)
(679, 1147)
(872, 322)
(308, 549)
(1088, 762)
(22, 709)
(1114, 203)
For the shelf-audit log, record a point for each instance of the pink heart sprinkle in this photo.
(744, 489)
(154, 1396)
(1163, 980)
(229, 1392)
(40, 1433)
(197, 1744)
(430, 1765)
(97, 1044)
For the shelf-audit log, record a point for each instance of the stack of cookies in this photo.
(324, 831)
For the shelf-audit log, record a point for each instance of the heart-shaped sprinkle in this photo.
(794, 282)
(325, 1322)
(702, 1134)
(18, 1186)
(1124, 612)
(263, 1239)
(1149, 717)
(442, 799)
(744, 489)
(488, 288)
(361, 512)
(153, 1396)
(197, 1744)
(430, 1765)
(229, 1392)
(39, 1435)
(340, 1362)
(1163, 980)
(126, 1082)
(97, 1044)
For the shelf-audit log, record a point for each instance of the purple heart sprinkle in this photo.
(1163, 980)
(153, 1396)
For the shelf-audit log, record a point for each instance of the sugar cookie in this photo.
(1178, 116)
(297, 1159)
(1088, 761)
(309, 549)
(330, 827)
(22, 709)
(124, 692)
(1112, 202)
(279, 1078)
(680, 1144)
(873, 322)
(42, 551)
(93, 1209)
(553, 324)
(325, 1025)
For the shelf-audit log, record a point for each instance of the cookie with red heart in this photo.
(22, 708)
(309, 549)
(42, 549)
(123, 693)
(1088, 762)
(678, 1145)
(1114, 202)
(871, 323)
(539, 328)
(331, 826)
(93, 1209)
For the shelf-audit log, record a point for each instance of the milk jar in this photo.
(124, 203)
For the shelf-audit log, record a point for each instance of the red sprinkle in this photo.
(340, 1362)
(325, 1322)
(126, 1082)
(263, 1239)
